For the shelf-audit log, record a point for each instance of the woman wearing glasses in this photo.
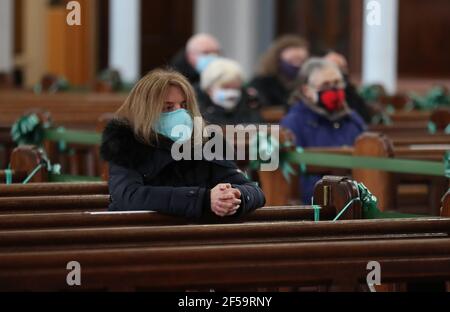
(320, 115)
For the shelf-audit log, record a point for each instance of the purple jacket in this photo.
(315, 130)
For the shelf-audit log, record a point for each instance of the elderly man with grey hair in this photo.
(193, 59)
(320, 115)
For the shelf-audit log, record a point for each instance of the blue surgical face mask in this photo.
(176, 125)
(227, 98)
(203, 62)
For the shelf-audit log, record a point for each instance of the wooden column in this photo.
(71, 49)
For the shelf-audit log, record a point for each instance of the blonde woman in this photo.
(143, 174)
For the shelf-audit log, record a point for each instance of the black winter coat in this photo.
(357, 103)
(246, 112)
(181, 64)
(146, 178)
(271, 91)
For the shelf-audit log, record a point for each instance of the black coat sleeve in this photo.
(252, 195)
(129, 193)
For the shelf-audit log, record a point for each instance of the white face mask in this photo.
(226, 98)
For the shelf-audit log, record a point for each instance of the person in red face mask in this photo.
(319, 114)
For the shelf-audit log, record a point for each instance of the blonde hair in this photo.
(145, 104)
(221, 72)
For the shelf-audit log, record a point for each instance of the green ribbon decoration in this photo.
(432, 128)
(112, 77)
(370, 93)
(435, 98)
(370, 210)
(33, 173)
(8, 176)
(60, 85)
(370, 207)
(447, 130)
(52, 169)
(317, 210)
(266, 146)
(359, 162)
(28, 130)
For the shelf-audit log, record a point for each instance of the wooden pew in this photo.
(107, 238)
(53, 189)
(24, 160)
(73, 110)
(222, 234)
(382, 184)
(76, 203)
(34, 204)
(85, 159)
(405, 124)
(287, 234)
(47, 221)
(342, 263)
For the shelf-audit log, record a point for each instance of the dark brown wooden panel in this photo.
(103, 34)
(325, 23)
(166, 26)
(424, 45)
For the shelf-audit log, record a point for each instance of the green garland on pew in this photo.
(435, 98)
(432, 128)
(54, 170)
(370, 210)
(29, 130)
(371, 93)
(60, 85)
(266, 147)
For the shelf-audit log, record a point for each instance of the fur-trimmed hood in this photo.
(121, 146)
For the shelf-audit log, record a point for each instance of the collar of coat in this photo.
(121, 147)
(333, 117)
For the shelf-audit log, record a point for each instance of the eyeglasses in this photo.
(327, 85)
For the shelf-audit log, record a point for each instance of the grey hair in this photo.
(194, 41)
(311, 66)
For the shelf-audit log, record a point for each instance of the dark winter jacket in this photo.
(181, 64)
(246, 112)
(313, 128)
(147, 178)
(271, 91)
(357, 103)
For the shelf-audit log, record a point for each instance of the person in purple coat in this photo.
(320, 115)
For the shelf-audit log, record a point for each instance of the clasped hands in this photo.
(225, 200)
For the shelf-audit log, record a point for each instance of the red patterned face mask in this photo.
(332, 100)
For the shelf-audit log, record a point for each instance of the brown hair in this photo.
(143, 107)
(269, 64)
